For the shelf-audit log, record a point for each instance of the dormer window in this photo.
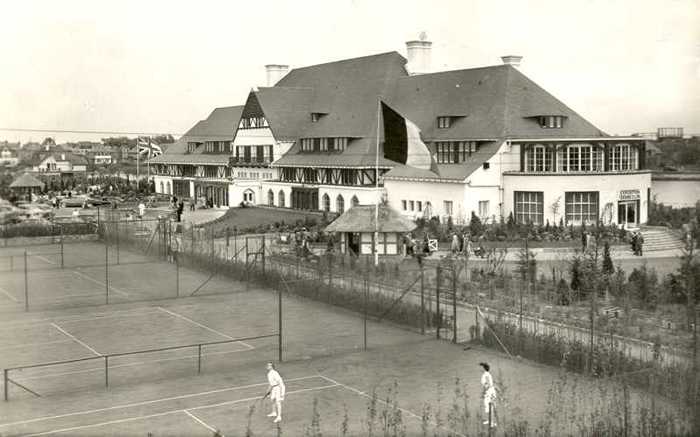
(443, 122)
(253, 123)
(551, 121)
(191, 147)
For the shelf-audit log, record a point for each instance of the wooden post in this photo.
(366, 289)
(106, 370)
(279, 322)
(62, 263)
(106, 273)
(199, 359)
(454, 305)
(422, 302)
(263, 255)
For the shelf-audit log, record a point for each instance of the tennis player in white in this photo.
(489, 394)
(276, 392)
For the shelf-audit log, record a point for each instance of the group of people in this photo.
(637, 243)
(178, 206)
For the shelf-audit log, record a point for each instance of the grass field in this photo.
(248, 218)
(163, 393)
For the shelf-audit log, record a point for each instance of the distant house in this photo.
(8, 158)
(60, 163)
(103, 156)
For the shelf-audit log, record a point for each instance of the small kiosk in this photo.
(356, 228)
(26, 185)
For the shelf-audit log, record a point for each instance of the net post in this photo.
(437, 300)
(330, 269)
(454, 306)
(279, 321)
(107, 371)
(5, 383)
(12, 263)
(26, 282)
(228, 237)
(235, 243)
(422, 302)
(199, 359)
(192, 233)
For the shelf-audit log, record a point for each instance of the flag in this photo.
(148, 148)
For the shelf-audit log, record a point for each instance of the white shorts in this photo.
(489, 397)
(277, 394)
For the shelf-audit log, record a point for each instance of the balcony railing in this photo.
(250, 161)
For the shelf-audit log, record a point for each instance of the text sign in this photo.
(629, 194)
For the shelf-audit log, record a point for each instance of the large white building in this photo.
(483, 140)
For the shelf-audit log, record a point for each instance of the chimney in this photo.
(513, 60)
(418, 53)
(275, 72)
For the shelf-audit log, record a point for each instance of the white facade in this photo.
(164, 184)
(364, 195)
(612, 188)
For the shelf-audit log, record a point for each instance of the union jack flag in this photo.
(148, 148)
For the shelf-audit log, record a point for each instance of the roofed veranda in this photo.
(487, 140)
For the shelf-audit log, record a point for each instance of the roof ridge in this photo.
(459, 70)
(340, 61)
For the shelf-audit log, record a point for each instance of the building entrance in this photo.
(628, 213)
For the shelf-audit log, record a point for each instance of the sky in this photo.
(160, 66)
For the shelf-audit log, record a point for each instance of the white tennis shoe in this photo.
(272, 415)
(277, 420)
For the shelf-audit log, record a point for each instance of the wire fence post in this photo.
(330, 269)
(26, 282)
(106, 370)
(437, 301)
(422, 302)
(62, 263)
(176, 258)
(6, 381)
(117, 224)
(263, 255)
(235, 243)
(12, 263)
(366, 289)
(199, 359)
(279, 322)
(106, 272)
(454, 306)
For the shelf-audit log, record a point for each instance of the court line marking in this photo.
(200, 421)
(3, 347)
(42, 258)
(8, 294)
(172, 313)
(79, 318)
(153, 401)
(91, 279)
(76, 339)
(137, 363)
(186, 411)
(379, 399)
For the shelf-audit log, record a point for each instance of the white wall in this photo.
(555, 186)
(676, 193)
(434, 192)
(365, 195)
(165, 179)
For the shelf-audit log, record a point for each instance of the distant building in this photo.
(669, 132)
(60, 164)
(8, 157)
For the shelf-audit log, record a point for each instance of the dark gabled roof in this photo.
(286, 109)
(448, 172)
(25, 181)
(348, 92)
(219, 126)
(485, 103)
(360, 218)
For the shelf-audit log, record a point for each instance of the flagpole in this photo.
(148, 166)
(376, 186)
(137, 163)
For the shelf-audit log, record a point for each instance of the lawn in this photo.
(257, 219)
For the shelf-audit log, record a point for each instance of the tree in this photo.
(563, 293)
(555, 207)
(608, 268)
(643, 282)
(475, 226)
(575, 273)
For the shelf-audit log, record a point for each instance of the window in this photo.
(623, 157)
(314, 117)
(580, 157)
(419, 206)
(252, 123)
(448, 207)
(280, 199)
(443, 122)
(551, 121)
(581, 207)
(326, 199)
(539, 158)
(330, 144)
(453, 152)
(162, 190)
(411, 205)
(339, 204)
(483, 208)
(403, 204)
(270, 198)
(354, 201)
(529, 207)
(191, 147)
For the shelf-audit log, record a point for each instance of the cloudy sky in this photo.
(159, 66)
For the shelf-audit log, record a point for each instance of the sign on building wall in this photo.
(629, 195)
